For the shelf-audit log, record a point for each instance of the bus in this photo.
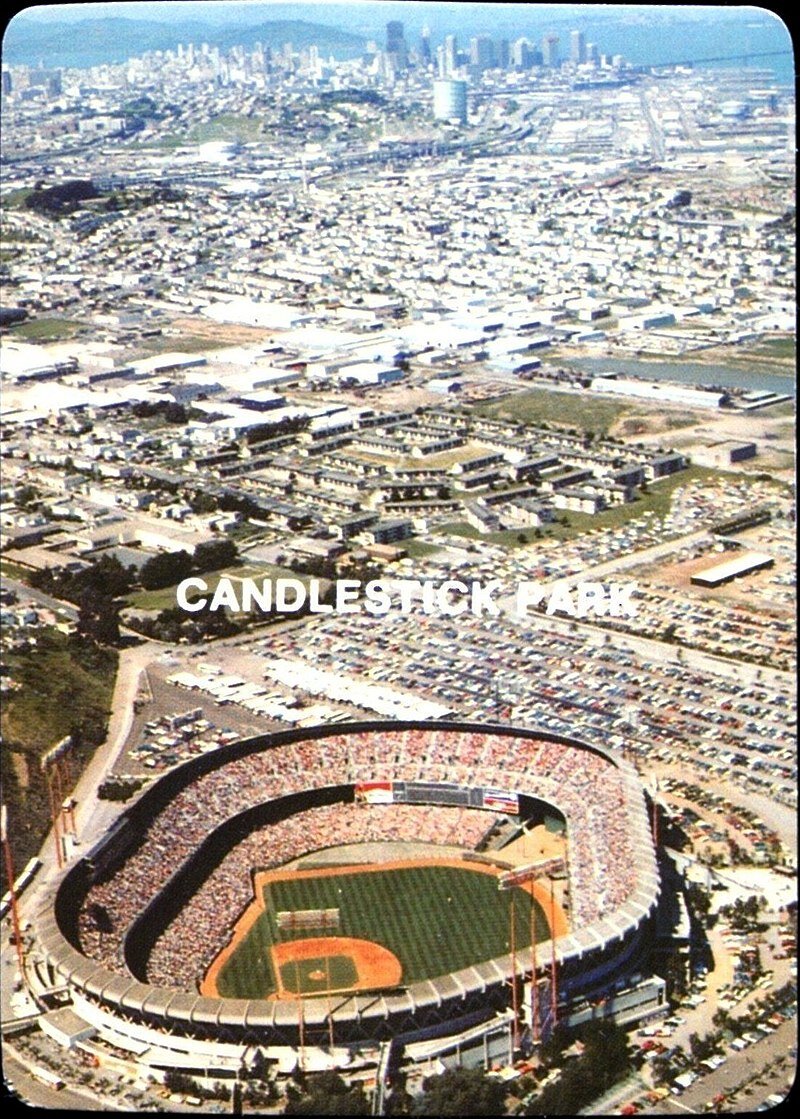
(45, 1076)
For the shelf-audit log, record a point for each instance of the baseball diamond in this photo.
(157, 912)
(406, 910)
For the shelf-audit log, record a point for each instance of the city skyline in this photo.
(647, 35)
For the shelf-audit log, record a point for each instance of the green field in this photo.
(435, 919)
(46, 330)
(164, 598)
(505, 537)
(64, 684)
(13, 570)
(184, 342)
(419, 549)
(16, 199)
(227, 127)
(566, 409)
(782, 347)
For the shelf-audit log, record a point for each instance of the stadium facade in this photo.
(109, 909)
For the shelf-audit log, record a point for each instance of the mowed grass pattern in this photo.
(435, 919)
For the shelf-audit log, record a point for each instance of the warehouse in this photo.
(662, 391)
(721, 573)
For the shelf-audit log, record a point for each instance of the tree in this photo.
(178, 1081)
(104, 577)
(605, 1059)
(698, 899)
(461, 1091)
(606, 1051)
(164, 569)
(62, 198)
(661, 1068)
(553, 1046)
(202, 502)
(98, 618)
(25, 496)
(213, 554)
(326, 1094)
(175, 413)
(702, 1047)
(111, 577)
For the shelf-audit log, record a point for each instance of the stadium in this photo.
(333, 891)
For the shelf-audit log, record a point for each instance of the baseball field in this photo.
(397, 923)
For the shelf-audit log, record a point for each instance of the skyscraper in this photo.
(394, 35)
(550, 50)
(396, 44)
(425, 45)
(481, 53)
(450, 54)
(521, 55)
(577, 47)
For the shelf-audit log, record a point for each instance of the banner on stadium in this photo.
(545, 868)
(374, 792)
(498, 801)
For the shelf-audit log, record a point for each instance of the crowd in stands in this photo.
(592, 793)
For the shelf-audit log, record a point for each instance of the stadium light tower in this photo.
(55, 767)
(551, 868)
(514, 999)
(654, 788)
(10, 875)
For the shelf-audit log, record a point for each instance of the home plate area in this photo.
(333, 964)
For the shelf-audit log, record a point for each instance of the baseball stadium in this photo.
(338, 889)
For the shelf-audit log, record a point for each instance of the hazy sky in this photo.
(223, 10)
(647, 34)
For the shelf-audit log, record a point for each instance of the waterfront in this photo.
(691, 373)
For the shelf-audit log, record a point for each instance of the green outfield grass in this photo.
(435, 919)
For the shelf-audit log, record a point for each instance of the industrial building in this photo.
(666, 391)
(729, 569)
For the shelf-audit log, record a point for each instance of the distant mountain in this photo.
(330, 40)
(91, 42)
